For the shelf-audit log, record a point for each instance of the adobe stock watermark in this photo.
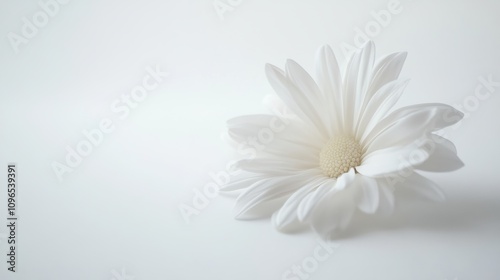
(310, 264)
(120, 108)
(122, 275)
(482, 92)
(225, 6)
(380, 19)
(31, 26)
(248, 148)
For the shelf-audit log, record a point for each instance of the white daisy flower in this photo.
(345, 150)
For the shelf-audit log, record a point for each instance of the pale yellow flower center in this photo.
(340, 154)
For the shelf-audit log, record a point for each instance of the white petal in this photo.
(243, 127)
(288, 213)
(368, 195)
(330, 81)
(405, 125)
(295, 99)
(274, 166)
(355, 84)
(293, 140)
(305, 83)
(333, 213)
(271, 188)
(443, 157)
(286, 150)
(241, 183)
(278, 108)
(379, 105)
(423, 186)
(329, 187)
(365, 71)
(307, 204)
(335, 208)
(386, 70)
(394, 159)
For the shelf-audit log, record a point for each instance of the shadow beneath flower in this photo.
(454, 214)
(458, 213)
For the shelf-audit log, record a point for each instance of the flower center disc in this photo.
(339, 155)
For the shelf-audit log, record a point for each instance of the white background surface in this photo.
(119, 208)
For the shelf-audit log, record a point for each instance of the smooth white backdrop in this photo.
(117, 212)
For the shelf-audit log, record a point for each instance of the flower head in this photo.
(344, 149)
